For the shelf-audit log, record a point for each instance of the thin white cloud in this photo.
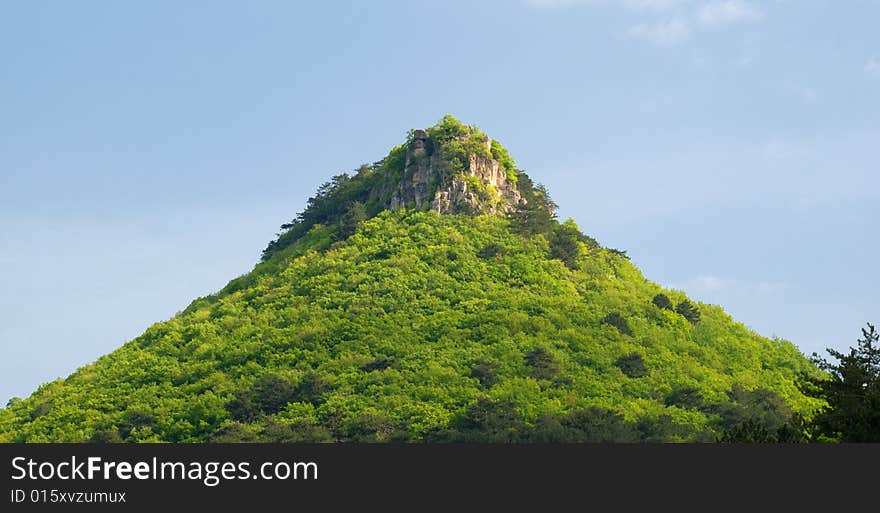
(635, 5)
(872, 67)
(555, 4)
(669, 22)
(651, 5)
(776, 150)
(664, 33)
(810, 95)
(711, 284)
(764, 288)
(723, 12)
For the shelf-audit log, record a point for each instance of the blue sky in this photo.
(149, 151)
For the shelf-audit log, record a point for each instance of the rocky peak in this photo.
(454, 176)
(450, 168)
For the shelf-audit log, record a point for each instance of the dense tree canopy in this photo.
(366, 325)
(427, 327)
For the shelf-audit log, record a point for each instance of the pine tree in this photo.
(662, 301)
(852, 391)
(687, 310)
(349, 222)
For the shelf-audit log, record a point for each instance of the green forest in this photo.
(363, 324)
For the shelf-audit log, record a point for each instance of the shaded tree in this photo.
(39, 410)
(268, 395)
(531, 219)
(312, 388)
(484, 372)
(488, 421)
(135, 419)
(542, 363)
(689, 311)
(538, 213)
(618, 321)
(271, 393)
(589, 425)
(618, 252)
(106, 436)
(350, 221)
(632, 365)
(688, 398)
(373, 428)
(749, 431)
(490, 251)
(242, 407)
(662, 301)
(752, 431)
(852, 391)
(663, 428)
(378, 364)
(299, 431)
(564, 243)
(235, 432)
(759, 416)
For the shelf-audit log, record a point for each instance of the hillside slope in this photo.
(412, 325)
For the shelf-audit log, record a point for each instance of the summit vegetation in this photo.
(363, 324)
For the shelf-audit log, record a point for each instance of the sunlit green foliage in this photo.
(349, 199)
(427, 327)
(501, 154)
(447, 129)
(366, 325)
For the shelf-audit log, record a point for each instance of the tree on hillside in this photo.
(542, 363)
(538, 213)
(852, 390)
(662, 301)
(485, 372)
(753, 432)
(565, 239)
(687, 310)
(757, 416)
(633, 365)
(532, 218)
(349, 222)
(590, 425)
(619, 322)
(564, 244)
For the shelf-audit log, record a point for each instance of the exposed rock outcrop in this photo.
(431, 181)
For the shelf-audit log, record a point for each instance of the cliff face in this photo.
(431, 181)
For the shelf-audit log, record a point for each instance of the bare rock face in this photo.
(431, 182)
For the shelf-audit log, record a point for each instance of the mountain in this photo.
(431, 296)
